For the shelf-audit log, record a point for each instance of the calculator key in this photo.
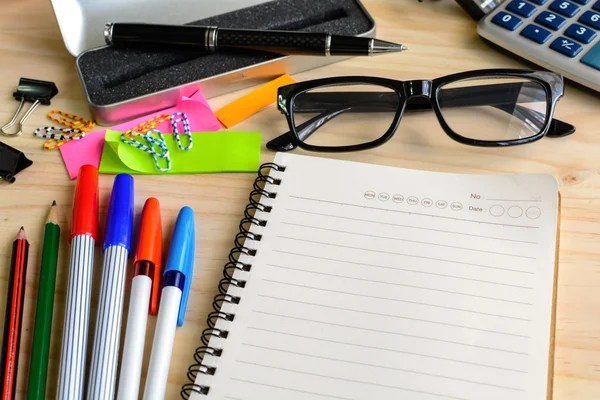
(550, 20)
(507, 21)
(596, 6)
(566, 46)
(580, 33)
(582, 2)
(539, 2)
(564, 7)
(521, 8)
(590, 19)
(592, 57)
(536, 33)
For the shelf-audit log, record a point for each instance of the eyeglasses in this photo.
(499, 107)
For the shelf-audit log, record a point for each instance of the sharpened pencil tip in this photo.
(22, 229)
(52, 215)
(21, 235)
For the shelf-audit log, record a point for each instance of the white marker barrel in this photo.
(133, 348)
(162, 346)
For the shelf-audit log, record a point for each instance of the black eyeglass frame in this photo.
(552, 84)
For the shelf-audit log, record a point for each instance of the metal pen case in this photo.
(122, 84)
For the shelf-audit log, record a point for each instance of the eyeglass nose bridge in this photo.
(417, 88)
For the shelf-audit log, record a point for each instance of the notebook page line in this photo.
(423, 338)
(395, 316)
(408, 286)
(406, 301)
(414, 272)
(389, 299)
(406, 226)
(387, 252)
(439, 395)
(382, 349)
(383, 367)
(408, 240)
(380, 266)
(327, 396)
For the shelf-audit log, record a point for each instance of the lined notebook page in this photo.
(373, 282)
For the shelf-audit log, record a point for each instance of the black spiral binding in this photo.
(232, 265)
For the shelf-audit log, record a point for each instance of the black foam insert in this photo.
(112, 75)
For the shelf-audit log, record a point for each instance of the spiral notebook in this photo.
(359, 281)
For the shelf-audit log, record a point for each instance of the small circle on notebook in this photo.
(515, 211)
(456, 206)
(497, 210)
(384, 196)
(398, 198)
(369, 195)
(533, 212)
(441, 204)
(427, 202)
(412, 200)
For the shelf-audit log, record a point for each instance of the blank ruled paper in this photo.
(372, 282)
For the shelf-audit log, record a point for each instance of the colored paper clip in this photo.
(71, 121)
(76, 128)
(147, 128)
(150, 149)
(12, 161)
(57, 136)
(175, 118)
(32, 90)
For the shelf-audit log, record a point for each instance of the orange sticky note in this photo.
(252, 103)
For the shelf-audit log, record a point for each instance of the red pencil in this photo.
(14, 316)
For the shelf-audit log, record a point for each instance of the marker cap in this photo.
(181, 255)
(85, 204)
(119, 221)
(149, 247)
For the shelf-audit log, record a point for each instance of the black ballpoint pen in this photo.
(213, 39)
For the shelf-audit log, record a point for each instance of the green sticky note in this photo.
(221, 151)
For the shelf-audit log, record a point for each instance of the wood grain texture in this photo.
(442, 40)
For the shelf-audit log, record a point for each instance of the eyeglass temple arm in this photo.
(501, 96)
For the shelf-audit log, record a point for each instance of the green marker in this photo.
(38, 370)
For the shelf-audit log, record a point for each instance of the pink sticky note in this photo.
(89, 149)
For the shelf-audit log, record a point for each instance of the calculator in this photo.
(560, 35)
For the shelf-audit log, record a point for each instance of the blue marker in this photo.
(117, 244)
(177, 280)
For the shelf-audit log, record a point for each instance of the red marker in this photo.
(145, 287)
(14, 316)
(84, 233)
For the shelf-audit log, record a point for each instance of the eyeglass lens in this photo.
(494, 108)
(344, 115)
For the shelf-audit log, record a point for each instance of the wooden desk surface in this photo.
(442, 40)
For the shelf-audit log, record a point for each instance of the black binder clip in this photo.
(37, 92)
(12, 161)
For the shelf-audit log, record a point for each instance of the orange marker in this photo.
(145, 289)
